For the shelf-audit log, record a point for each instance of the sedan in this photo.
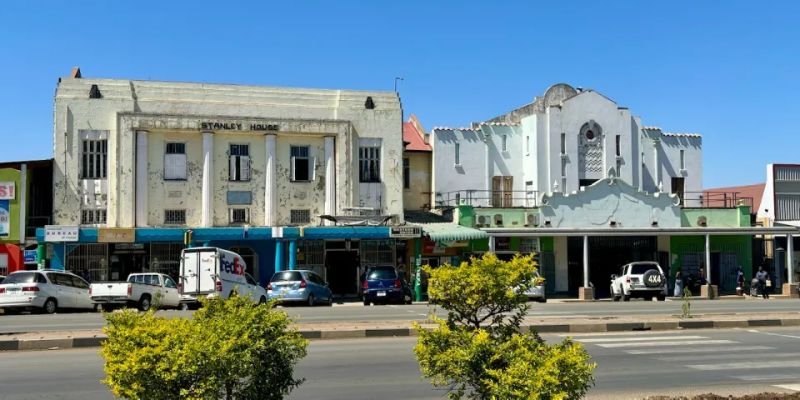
(299, 286)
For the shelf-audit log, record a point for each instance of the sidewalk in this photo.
(55, 340)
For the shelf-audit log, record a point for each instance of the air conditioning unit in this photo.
(481, 221)
(531, 219)
(498, 219)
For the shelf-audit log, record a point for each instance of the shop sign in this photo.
(116, 235)
(405, 232)
(5, 218)
(60, 233)
(238, 126)
(7, 191)
(30, 256)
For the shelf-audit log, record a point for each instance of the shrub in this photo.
(477, 352)
(230, 349)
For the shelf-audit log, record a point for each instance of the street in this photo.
(630, 365)
(351, 312)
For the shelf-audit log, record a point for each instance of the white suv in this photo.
(46, 290)
(644, 279)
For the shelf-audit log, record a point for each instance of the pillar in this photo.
(22, 192)
(278, 256)
(790, 287)
(207, 213)
(41, 255)
(142, 183)
(330, 177)
(292, 255)
(708, 258)
(657, 166)
(418, 269)
(586, 292)
(270, 194)
(491, 244)
(708, 290)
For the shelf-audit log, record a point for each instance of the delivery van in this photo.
(215, 272)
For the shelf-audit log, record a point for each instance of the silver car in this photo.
(46, 291)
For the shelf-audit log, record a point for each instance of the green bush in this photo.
(231, 349)
(478, 352)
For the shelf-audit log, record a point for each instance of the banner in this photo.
(5, 218)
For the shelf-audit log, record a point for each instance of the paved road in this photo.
(357, 312)
(630, 365)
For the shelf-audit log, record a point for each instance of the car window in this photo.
(61, 279)
(318, 279)
(135, 279)
(79, 283)
(382, 273)
(169, 283)
(638, 269)
(21, 277)
(250, 279)
(286, 276)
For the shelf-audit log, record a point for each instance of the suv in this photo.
(644, 279)
(46, 290)
(384, 285)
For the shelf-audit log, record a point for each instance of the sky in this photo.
(728, 70)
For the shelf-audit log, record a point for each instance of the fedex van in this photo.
(212, 272)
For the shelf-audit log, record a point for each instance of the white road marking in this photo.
(750, 364)
(638, 339)
(666, 343)
(772, 377)
(704, 349)
(795, 387)
(732, 353)
(774, 334)
(626, 333)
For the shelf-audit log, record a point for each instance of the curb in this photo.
(96, 341)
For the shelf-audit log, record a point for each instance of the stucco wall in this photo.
(418, 193)
(470, 174)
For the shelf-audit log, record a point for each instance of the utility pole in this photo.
(397, 78)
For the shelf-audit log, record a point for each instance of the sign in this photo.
(7, 191)
(5, 218)
(116, 235)
(60, 233)
(30, 256)
(237, 126)
(405, 232)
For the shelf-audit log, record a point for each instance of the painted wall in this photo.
(688, 252)
(418, 194)
(470, 174)
(716, 217)
(13, 175)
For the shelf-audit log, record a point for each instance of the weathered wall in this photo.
(418, 194)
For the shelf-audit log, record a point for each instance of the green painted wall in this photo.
(693, 247)
(717, 217)
(12, 175)
(547, 244)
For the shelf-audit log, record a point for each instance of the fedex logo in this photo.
(232, 267)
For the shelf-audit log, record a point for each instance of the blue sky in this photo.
(729, 70)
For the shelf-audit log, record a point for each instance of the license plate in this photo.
(381, 294)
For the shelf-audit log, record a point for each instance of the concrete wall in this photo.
(418, 194)
(716, 217)
(470, 174)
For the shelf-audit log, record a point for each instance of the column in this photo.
(278, 255)
(41, 255)
(22, 192)
(418, 269)
(790, 259)
(330, 178)
(585, 261)
(270, 194)
(657, 167)
(708, 258)
(292, 255)
(207, 213)
(491, 244)
(142, 183)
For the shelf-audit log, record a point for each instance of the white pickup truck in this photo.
(140, 291)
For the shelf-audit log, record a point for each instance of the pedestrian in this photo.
(678, 284)
(763, 282)
(740, 281)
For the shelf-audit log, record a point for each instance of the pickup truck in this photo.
(140, 291)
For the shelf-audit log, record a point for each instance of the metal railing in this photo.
(489, 198)
(715, 200)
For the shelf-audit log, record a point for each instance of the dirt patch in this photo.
(711, 396)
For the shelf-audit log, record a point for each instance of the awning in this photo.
(449, 232)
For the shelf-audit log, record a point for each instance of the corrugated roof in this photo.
(414, 138)
(448, 232)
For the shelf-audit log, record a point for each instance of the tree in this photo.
(231, 349)
(478, 351)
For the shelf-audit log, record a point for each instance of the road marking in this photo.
(666, 343)
(794, 387)
(638, 339)
(733, 353)
(773, 334)
(704, 349)
(750, 364)
(627, 333)
(772, 377)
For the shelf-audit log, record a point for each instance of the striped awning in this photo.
(448, 232)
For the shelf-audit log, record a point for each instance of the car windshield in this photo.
(286, 276)
(638, 269)
(21, 277)
(382, 273)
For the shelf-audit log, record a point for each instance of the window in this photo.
(619, 152)
(370, 164)
(93, 217)
(239, 215)
(301, 167)
(169, 283)
(678, 185)
(175, 162)
(563, 143)
(458, 153)
(505, 143)
(406, 174)
(683, 159)
(239, 162)
(94, 157)
(298, 217)
(175, 217)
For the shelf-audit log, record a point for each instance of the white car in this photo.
(46, 291)
(643, 279)
(536, 292)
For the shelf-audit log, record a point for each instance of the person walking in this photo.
(763, 277)
(678, 284)
(739, 281)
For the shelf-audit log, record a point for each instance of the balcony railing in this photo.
(489, 198)
(715, 200)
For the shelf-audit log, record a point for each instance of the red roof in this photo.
(413, 136)
(754, 192)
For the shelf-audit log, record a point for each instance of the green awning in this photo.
(448, 232)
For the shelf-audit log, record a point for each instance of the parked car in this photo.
(382, 284)
(299, 286)
(215, 272)
(536, 291)
(140, 290)
(47, 291)
(643, 279)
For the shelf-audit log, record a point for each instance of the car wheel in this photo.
(50, 306)
(183, 306)
(262, 300)
(661, 297)
(311, 300)
(144, 303)
(613, 295)
(107, 307)
(648, 298)
(366, 302)
(626, 297)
